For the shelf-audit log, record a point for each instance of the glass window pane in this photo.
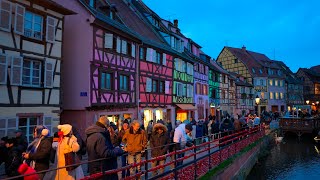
(33, 121)
(24, 130)
(11, 132)
(2, 133)
(36, 73)
(37, 27)
(26, 71)
(47, 121)
(3, 124)
(37, 19)
(22, 122)
(27, 24)
(28, 16)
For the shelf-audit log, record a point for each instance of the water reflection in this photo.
(289, 160)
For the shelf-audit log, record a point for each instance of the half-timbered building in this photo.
(214, 88)
(311, 85)
(182, 65)
(155, 63)
(259, 70)
(30, 61)
(100, 65)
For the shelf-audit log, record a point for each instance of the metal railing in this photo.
(188, 163)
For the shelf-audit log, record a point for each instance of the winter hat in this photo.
(42, 130)
(65, 128)
(24, 169)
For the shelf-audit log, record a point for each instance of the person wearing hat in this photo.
(21, 139)
(38, 151)
(66, 144)
(181, 138)
(99, 146)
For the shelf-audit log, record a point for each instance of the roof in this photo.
(290, 76)
(257, 63)
(49, 4)
(219, 68)
(238, 81)
(313, 75)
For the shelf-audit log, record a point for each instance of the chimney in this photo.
(175, 23)
(244, 48)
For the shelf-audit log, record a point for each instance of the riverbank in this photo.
(240, 165)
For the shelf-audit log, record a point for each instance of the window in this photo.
(124, 83)
(270, 82)
(271, 95)
(179, 89)
(205, 90)
(242, 90)
(162, 86)
(5, 13)
(198, 86)
(281, 83)
(253, 70)
(261, 82)
(27, 124)
(106, 81)
(33, 25)
(214, 93)
(260, 70)
(142, 53)
(154, 86)
(31, 73)
(276, 95)
(236, 61)
(281, 96)
(3, 69)
(158, 58)
(276, 82)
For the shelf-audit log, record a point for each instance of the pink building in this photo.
(99, 65)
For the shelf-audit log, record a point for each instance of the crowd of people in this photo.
(108, 141)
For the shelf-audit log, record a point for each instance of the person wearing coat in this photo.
(159, 143)
(38, 151)
(67, 143)
(136, 141)
(124, 157)
(99, 146)
(13, 158)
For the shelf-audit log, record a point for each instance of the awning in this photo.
(186, 106)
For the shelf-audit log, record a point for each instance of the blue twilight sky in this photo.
(286, 30)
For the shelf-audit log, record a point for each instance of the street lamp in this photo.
(257, 103)
(307, 101)
(317, 103)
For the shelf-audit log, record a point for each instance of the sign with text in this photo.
(260, 88)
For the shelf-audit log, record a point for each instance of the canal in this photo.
(291, 159)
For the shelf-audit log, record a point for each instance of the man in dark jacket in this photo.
(22, 141)
(99, 146)
(39, 150)
(159, 143)
(13, 158)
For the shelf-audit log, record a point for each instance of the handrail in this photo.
(222, 141)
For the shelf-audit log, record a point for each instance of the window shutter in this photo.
(164, 59)
(124, 47)
(149, 54)
(5, 14)
(133, 50)
(16, 70)
(51, 29)
(118, 45)
(172, 41)
(3, 69)
(148, 85)
(167, 87)
(181, 45)
(19, 19)
(154, 55)
(108, 41)
(48, 75)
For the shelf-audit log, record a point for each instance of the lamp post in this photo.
(257, 100)
(307, 101)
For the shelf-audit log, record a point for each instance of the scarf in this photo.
(32, 148)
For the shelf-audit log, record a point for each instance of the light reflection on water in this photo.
(289, 160)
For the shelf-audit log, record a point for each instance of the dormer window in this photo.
(236, 60)
(154, 21)
(253, 70)
(260, 70)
